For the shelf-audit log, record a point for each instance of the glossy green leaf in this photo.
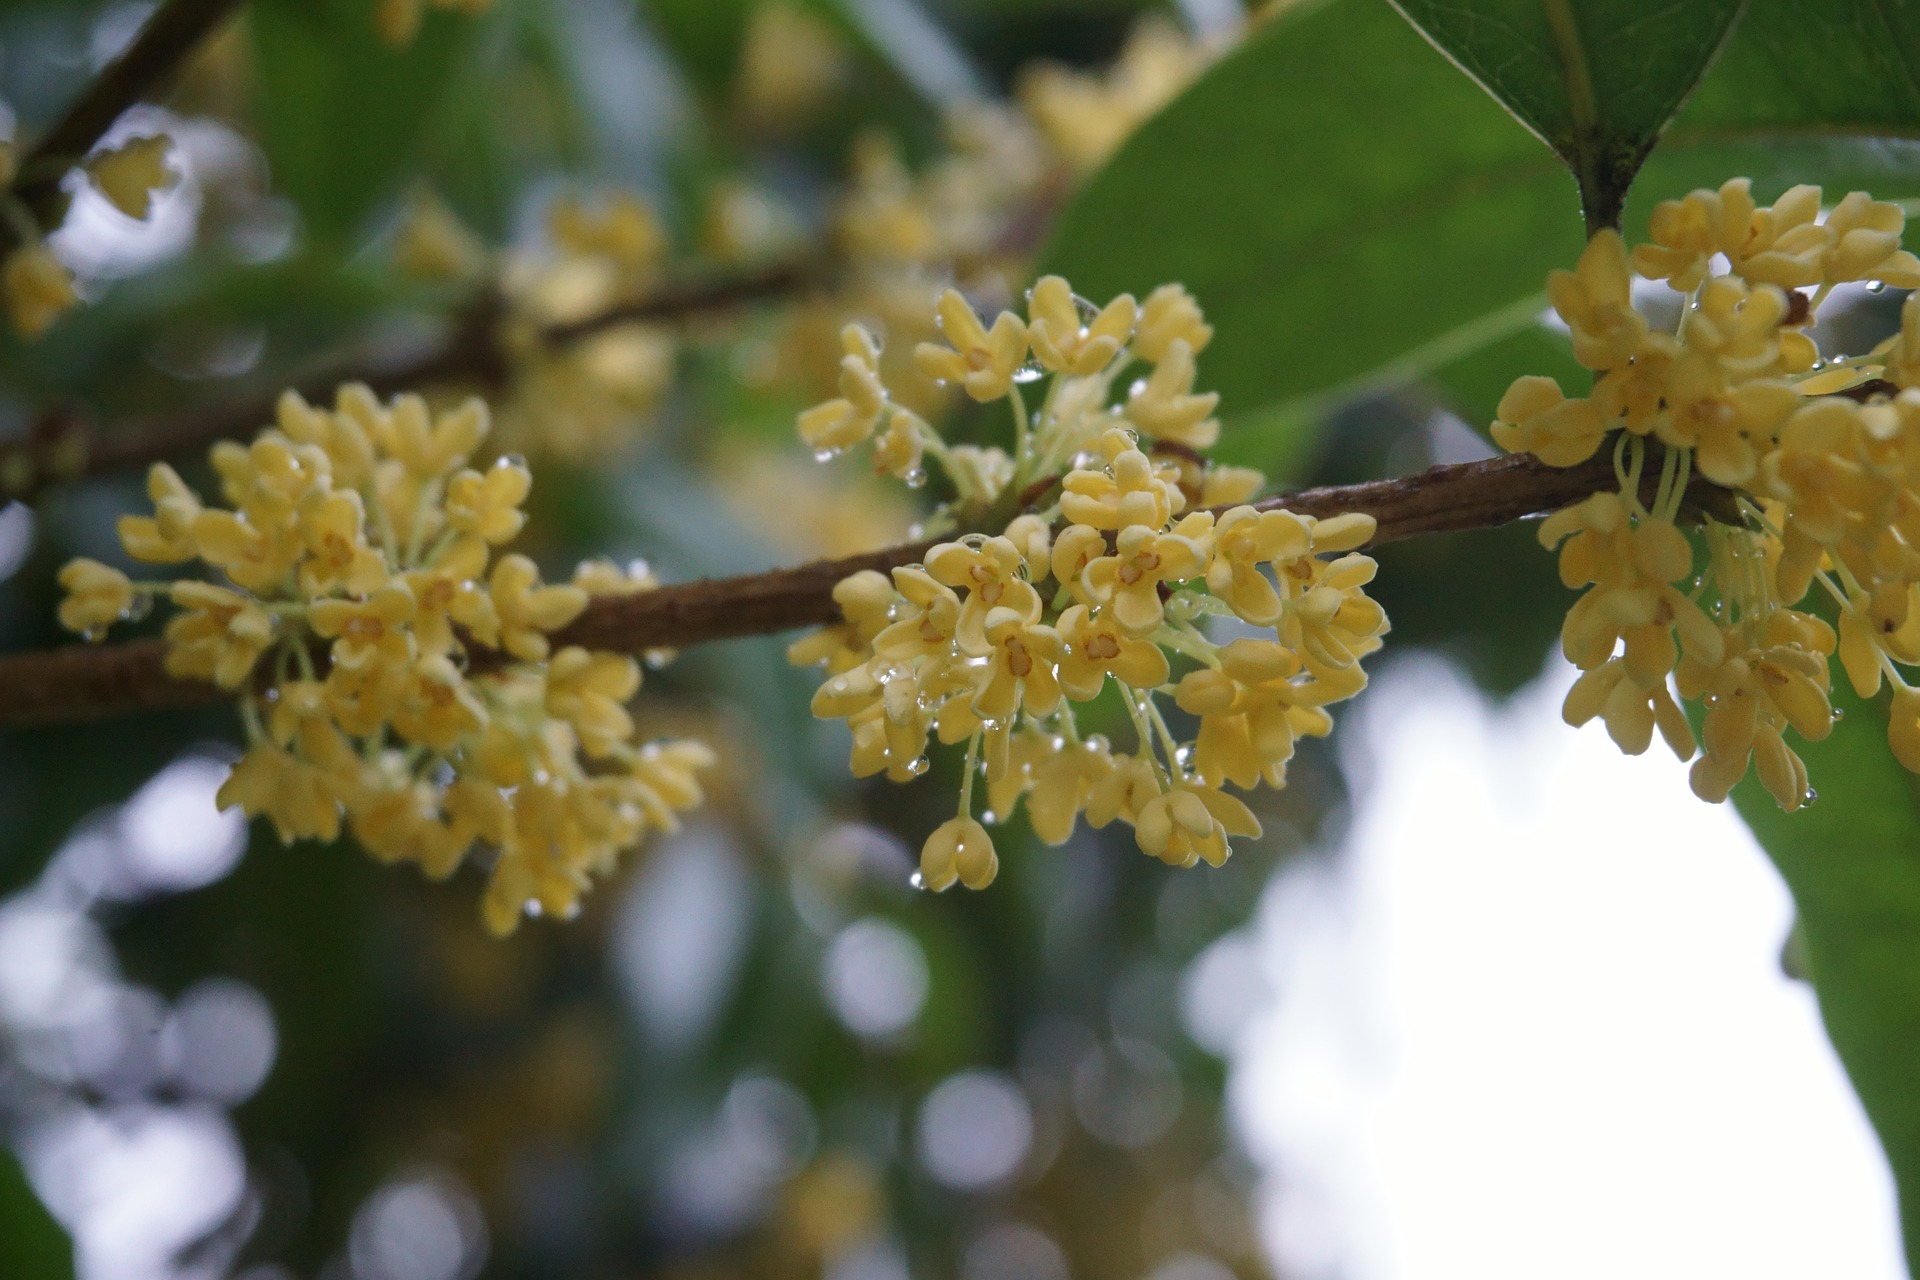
(1853, 863)
(1597, 81)
(1338, 197)
(341, 112)
(1352, 211)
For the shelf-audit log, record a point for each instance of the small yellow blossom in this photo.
(1165, 407)
(129, 174)
(958, 850)
(840, 424)
(1063, 342)
(38, 288)
(1170, 314)
(982, 361)
(98, 596)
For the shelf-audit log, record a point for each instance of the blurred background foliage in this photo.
(758, 1052)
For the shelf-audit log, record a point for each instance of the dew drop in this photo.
(1839, 360)
(657, 659)
(1088, 309)
(1839, 714)
(572, 912)
(990, 818)
(1097, 742)
(825, 455)
(141, 606)
(511, 460)
(916, 530)
(1812, 796)
(1031, 371)
(1876, 286)
(837, 685)
(1817, 366)
(1139, 387)
(916, 766)
(917, 881)
(93, 635)
(533, 908)
(915, 477)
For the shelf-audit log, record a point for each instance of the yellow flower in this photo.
(375, 632)
(1130, 492)
(1056, 777)
(1631, 710)
(1022, 671)
(425, 445)
(1170, 315)
(1536, 417)
(1687, 233)
(432, 244)
(1065, 345)
(900, 450)
(1191, 824)
(1253, 709)
(1097, 646)
(333, 524)
(983, 362)
(439, 707)
(624, 229)
(447, 591)
(1244, 539)
(219, 637)
(1164, 406)
(98, 596)
(1865, 235)
(165, 537)
(589, 692)
(993, 573)
(300, 720)
(488, 506)
(38, 287)
(958, 850)
(299, 798)
(1596, 301)
(527, 610)
(842, 423)
(1903, 727)
(926, 629)
(865, 599)
(130, 173)
(1332, 622)
(1127, 583)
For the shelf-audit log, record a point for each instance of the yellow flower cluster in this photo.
(393, 667)
(1819, 464)
(994, 640)
(969, 217)
(36, 286)
(577, 399)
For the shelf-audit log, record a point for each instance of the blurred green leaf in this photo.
(341, 112)
(1597, 85)
(1305, 187)
(31, 1242)
(1853, 864)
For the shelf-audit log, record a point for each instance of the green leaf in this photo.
(1352, 212)
(1337, 196)
(342, 113)
(1597, 84)
(31, 1242)
(1853, 864)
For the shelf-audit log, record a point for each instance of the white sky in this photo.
(1530, 1022)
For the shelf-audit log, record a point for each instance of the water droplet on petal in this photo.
(825, 455)
(917, 881)
(917, 766)
(990, 818)
(1876, 286)
(1812, 796)
(916, 530)
(1139, 386)
(1839, 714)
(142, 606)
(915, 477)
(1031, 371)
(512, 460)
(533, 908)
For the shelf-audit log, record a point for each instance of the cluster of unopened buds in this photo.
(394, 671)
(1816, 468)
(1000, 640)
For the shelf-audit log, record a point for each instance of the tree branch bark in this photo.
(172, 33)
(82, 683)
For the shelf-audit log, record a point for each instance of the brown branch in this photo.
(63, 447)
(79, 683)
(163, 43)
